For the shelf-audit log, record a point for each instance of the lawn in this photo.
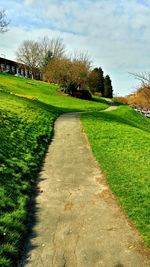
(48, 93)
(120, 141)
(26, 128)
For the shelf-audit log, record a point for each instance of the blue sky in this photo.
(115, 33)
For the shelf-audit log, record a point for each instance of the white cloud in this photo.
(28, 2)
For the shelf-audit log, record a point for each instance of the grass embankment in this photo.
(120, 140)
(48, 94)
(26, 127)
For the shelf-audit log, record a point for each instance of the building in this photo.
(13, 67)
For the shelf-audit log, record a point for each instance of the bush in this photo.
(83, 94)
(121, 100)
(99, 94)
(140, 98)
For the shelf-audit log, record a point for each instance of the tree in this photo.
(57, 70)
(79, 72)
(83, 57)
(101, 81)
(71, 73)
(29, 53)
(51, 48)
(37, 54)
(3, 21)
(47, 57)
(143, 77)
(108, 90)
(142, 95)
(141, 98)
(96, 80)
(93, 80)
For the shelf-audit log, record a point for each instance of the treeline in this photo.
(72, 72)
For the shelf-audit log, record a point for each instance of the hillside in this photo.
(48, 93)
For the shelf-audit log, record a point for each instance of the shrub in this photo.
(140, 98)
(121, 99)
(83, 94)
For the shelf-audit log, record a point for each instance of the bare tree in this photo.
(51, 49)
(37, 54)
(55, 46)
(141, 98)
(83, 57)
(143, 77)
(29, 53)
(3, 21)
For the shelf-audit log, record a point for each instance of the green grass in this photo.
(120, 140)
(26, 127)
(47, 93)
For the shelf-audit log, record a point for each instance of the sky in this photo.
(115, 33)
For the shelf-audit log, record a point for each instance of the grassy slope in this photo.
(26, 127)
(120, 140)
(47, 93)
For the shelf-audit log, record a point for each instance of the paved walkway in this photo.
(79, 223)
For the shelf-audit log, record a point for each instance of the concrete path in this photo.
(79, 223)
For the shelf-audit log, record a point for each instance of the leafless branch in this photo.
(83, 57)
(4, 22)
(144, 77)
(54, 45)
